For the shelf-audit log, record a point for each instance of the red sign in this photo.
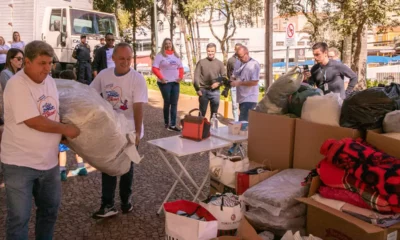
(290, 30)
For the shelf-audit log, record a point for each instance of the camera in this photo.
(226, 83)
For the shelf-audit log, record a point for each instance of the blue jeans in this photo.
(170, 94)
(244, 110)
(209, 96)
(234, 104)
(23, 183)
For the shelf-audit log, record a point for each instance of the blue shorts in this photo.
(62, 148)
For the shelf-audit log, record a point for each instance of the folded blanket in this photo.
(343, 195)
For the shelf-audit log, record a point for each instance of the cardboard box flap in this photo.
(366, 227)
(384, 143)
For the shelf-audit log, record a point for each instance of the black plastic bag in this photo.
(297, 99)
(366, 109)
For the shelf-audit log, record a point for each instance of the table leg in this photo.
(201, 186)
(178, 179)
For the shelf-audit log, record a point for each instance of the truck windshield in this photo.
(86, 22)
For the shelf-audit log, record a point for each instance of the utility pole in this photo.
(155, 24)
(268, 6)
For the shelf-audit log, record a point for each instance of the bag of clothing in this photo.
(275, 100)
(367, 109)
(105, 141)
(224, 168)
(391, 122)
(297, 99)
(323, 109)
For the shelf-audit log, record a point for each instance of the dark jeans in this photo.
(84, 72)
(23, 183)
(170, 94)
(244, 110)
(209, 96)
(109, 185)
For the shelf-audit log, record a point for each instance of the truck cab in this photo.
(62, 28)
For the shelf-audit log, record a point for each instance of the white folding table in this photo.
(180, 147)
(223, 133)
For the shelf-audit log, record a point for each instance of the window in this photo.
(243, 41)
(280, 43)
(301, 43)
(86, 22)
(55, 20)
(143, 46)
(203, 43)
(275, 27)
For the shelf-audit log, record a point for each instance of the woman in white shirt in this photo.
(3, 53)
(167, 66)
(17, 43)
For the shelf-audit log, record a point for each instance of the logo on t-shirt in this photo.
(124, 105)
(113, 95)
(47, 107)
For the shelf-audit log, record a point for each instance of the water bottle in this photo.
(214, 123)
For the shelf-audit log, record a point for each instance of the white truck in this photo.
(60, 23)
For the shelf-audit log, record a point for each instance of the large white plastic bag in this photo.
(261, 220)
(391, 123)
(224, 170)
(323, 109)
(275, 100)
(105, 142)
(278, 192)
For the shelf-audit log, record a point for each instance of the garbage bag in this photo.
(366, 109)
(297, 99)
(323, 109)
(275, 100)
(105, 142)
(391, 122)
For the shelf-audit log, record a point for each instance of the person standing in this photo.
(229, 69)
(98, 46)
(82, 55)
(103, 57)
(167, 66)
(334, 54)
(14, 63)
(328, 75)
(206, 74)
(3, 53)
(17, 43)
(245, 78)
(29, 146)
(126, 90)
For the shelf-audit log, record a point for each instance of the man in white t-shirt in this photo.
(126, 90)
(29, 156)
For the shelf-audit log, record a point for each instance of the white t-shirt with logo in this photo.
(4, 55)
(110, 61)
(122, 91)
(168, 66)
(19, 45)
(23, 100)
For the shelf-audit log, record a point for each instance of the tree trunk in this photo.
(360, 57)
(134, 25)
(153, 34)
(347, 47)
(188, 52)
(198, 41)
(171, 22)
(193, 42)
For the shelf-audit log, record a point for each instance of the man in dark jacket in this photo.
(328, 75)
(103, 57)
(82, 55)
(229, 68)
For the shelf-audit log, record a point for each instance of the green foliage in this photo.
(375, 83)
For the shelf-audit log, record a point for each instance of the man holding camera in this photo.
(207, 78)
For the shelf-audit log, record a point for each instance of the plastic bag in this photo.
(224, 168)
(323, 109)
(105, 141)
(275, 100)
(391, 122)
(297, 99)
(262, 220)
(278, 192)
(367, 109)
(297, 236)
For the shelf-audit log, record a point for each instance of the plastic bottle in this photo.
(214, 122)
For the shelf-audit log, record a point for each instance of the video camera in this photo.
(226, 83)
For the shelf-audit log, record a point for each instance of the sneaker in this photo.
(63, 175)
(79, 172)
(105, 212)
(126, 208)
(173, 128)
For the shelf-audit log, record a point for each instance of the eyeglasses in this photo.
(19, 58)
(110, 39)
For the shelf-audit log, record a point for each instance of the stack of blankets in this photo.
(362, 181)
(272, 203)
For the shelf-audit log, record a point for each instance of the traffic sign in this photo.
(300, 55)
(290, 35)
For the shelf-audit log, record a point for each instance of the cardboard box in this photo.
(384, 143)
(331, 224)
(309, 139)
(271, 140)
(217, 187)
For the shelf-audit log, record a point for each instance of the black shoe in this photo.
(126, 208)
(105, 212)
(174, 128)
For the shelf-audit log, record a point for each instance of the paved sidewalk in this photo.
(81, 195)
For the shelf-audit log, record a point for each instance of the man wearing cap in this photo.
(82, 55)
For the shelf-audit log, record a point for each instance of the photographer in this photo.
(206, 80)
